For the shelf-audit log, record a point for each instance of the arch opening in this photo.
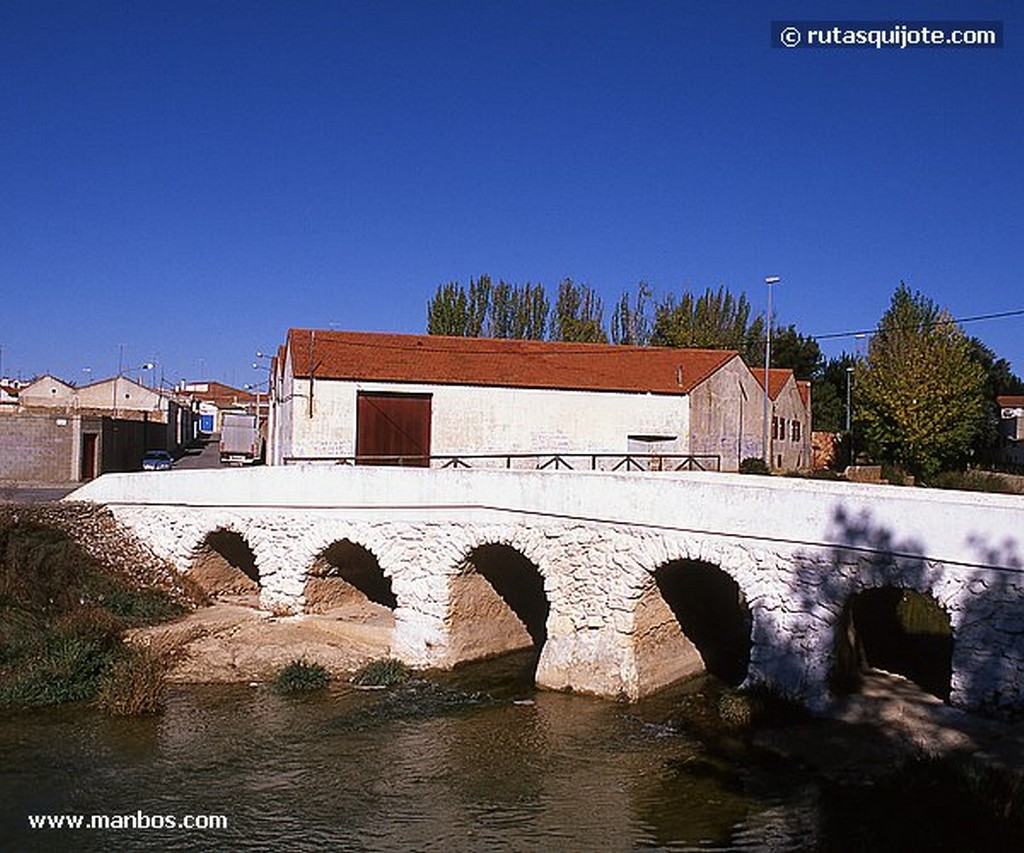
(347, 577)
(692, 619)
(497, 605)
(225, 565)
(897, 630)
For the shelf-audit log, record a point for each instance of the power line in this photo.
(951, 322)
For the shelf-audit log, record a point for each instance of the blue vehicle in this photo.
(157, 460)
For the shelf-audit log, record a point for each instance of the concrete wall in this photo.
(727, 415)
(798, 551)
(39, 448)
(468, 419)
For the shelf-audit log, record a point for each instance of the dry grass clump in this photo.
(135, 684)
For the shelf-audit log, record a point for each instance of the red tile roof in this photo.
(804, 387)
(439, 360)
(1010, 401)
(777, 377)
(219, 394)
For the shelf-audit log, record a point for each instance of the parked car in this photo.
(157, 460)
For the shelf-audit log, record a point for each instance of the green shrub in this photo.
(973, 481)
(301, 676)
(134, 685)
(51, 666)
(62, 614)
(382, 673)
(754, 465)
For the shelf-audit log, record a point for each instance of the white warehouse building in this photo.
(373, 398)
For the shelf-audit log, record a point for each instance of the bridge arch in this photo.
(691, 617)
(224, 563)
(497, 602)
(898, 629)
(347, 576)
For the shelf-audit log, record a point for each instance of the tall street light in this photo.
(769, 280)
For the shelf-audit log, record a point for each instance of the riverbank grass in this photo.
(382, 673)
(301, 676)
(62, 620)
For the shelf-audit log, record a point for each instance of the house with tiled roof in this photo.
(789, 418)
(366, 397)
(215, 398)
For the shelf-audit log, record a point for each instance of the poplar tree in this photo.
(919, 393)
(578, 314)
(631, 322)
(713, 320)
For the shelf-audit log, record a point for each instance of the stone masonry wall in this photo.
(595, 575)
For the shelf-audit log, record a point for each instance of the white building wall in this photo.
(487, 420)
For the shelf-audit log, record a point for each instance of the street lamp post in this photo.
(849, 374)
(769, 280)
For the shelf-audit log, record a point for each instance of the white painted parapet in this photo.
(797, 549)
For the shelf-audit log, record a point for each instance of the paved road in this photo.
(206, 455)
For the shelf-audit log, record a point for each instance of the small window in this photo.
(796, 431)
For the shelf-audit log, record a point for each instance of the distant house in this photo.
(58, 433)
(1011, 429)
(8, 396)
(370, 397)
(789, 433)
(216, 398)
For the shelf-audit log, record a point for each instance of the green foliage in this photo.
(52, 666)
(754, 465)
(490, 310)
(382, 673)
(799, 353)
(301, 676)
(918, 395)
(578, 315)
(631, 323)
(713, 320)
(974, 481)
(828, 395)
(61, 617)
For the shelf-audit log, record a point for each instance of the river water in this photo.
(483, 762)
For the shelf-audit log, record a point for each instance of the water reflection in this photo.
(525, 770)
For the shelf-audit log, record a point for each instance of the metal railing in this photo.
(645, 462)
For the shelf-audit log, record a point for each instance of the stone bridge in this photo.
(624, 582)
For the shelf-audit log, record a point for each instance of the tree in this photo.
(919, 393)
(713, 320)
(999, 379)
(490, 310)
(517, 312)
(453, 311)
(799, 353)
(631, 323)
(578, 314)
(828, 395)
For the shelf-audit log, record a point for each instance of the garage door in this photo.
(393, 429)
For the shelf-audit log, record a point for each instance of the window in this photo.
(796, 431)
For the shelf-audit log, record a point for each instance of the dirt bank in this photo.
(233, 640)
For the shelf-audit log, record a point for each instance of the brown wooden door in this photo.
(89, 455)
(393, 429)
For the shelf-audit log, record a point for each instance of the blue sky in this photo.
(182, 181)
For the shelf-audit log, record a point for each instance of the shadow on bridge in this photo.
(946, 627)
